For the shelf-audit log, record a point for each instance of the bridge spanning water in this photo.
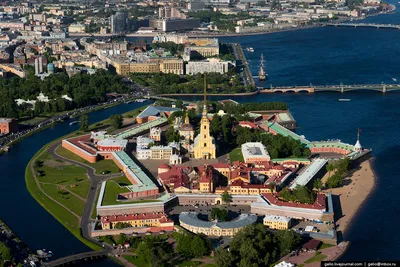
(77, 258)
(365, 25)
(341, 88)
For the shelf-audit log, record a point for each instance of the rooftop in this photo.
(155, 110)
(277, 218)
(143, 181)
(243, 220)
(140, 128)
(252, 149)
(109, 142)
(5, 120)
(309, 173)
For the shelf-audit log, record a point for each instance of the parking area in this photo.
(319, 227)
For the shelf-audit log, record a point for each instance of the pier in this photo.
(365, 25)
(341, 88)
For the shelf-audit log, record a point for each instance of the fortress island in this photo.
(213, 169)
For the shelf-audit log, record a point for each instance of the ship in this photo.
(250, 49)
(344, 99)
(262, 76)
(74, 122)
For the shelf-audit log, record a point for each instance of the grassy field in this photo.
(64, 197)
(236, 154)
(111, 192)
(136, 260)
(325, 245)
(189, 264)
(316, 258)
(81, 189)
(100, 166)
(68, 220)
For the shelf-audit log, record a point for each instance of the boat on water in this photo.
(74, 122)
(140, 100)
(394, 79)
(250, 49)
(262, 75)
(344, 99)
(42, 253)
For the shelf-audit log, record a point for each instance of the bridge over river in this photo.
(365, 25)
(341, 88)
(77, 258)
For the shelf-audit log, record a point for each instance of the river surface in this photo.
(317, 56)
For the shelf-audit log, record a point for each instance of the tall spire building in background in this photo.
(204, 143)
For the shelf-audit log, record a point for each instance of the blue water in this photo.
(317, 56)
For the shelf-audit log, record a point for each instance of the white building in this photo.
(143, 141)
(255, 152)
(284, 264)
(143, 153)
(206, 66)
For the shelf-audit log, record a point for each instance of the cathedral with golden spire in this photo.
(204, 143)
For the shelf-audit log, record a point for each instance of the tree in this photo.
(334, 181)
(84, 123)
(121, 239)
(116, 121)
(255, 246)
(287, 241)
(318, 184)
(171, 135)
(330, 167)
(226, 197)
(223, 258)
(5, 252)
(199, 247)
(179, 103)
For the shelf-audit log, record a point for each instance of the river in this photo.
(318, 56)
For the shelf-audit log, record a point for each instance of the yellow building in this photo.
(137, 220)
(204, 143)
(191, 222)
(186, 130)
(277, 222)
(125, 68)
(175, 66)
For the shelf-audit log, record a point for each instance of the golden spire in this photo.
(205, 95)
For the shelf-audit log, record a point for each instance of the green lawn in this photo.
(94, 211)
(236, 154)
(100, 166)
(114, 187)
(81, 189)
(316, 258)
(111, 192)
(68, 220)
(139, 261)
(325, 245)
(64, 197)
(208, 265)
(189, 264)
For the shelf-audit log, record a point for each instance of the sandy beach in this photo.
(355, 191)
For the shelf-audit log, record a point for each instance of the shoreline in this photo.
(356, 191)
(230, 34)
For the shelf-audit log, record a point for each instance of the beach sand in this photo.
(355, 191)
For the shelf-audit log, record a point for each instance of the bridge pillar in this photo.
(384, 90)
(341, 88)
